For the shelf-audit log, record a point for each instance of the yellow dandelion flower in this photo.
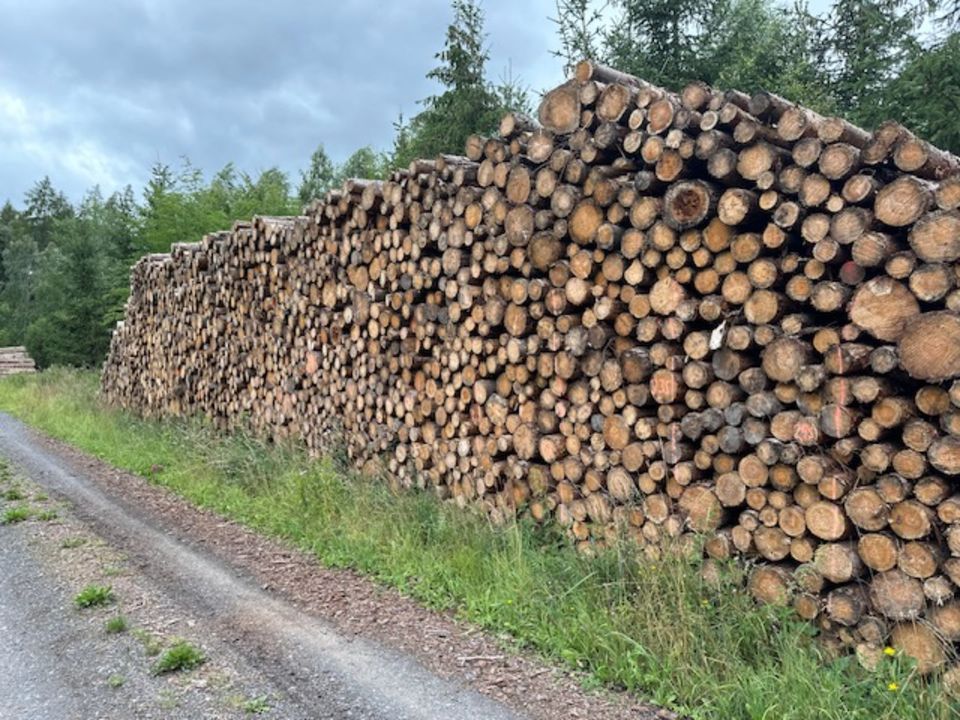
(889, 651)
(893, 687)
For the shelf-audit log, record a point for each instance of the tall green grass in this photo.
(654, 628)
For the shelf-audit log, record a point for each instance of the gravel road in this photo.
(283, 635)
(322, 674)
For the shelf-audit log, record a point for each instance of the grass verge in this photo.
(655, 628)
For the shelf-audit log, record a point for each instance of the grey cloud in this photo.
(96, 92)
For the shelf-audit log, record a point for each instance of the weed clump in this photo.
(116, 625)
(180, 657)
(94, 596)
(15, 514)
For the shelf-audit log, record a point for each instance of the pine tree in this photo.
(950, 14)
(71, 326)
(122, 221)
(160, 210)
(268, 194)
(756, 45)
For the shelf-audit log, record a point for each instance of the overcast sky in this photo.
(97, 91)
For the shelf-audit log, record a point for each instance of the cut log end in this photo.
(929, 346)
(560, 109)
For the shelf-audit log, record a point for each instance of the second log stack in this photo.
(15, 360)
(650, 313)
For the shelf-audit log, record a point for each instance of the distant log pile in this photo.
(15, 360)
(650, 313)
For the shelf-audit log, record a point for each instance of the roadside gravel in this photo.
(58, 661)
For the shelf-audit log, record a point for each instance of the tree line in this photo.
(64, 266)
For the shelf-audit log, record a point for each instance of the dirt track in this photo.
(321, 643)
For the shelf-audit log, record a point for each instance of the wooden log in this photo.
(687, 204)
(896, 595)
(560, 109)
(922, 159)
(587, 70)
(934, 238)
(736, 205)
(884, 308)
(903, 201)
(929, 346)
(920, 643)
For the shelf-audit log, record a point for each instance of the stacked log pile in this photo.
(15, 360)
(650, 313)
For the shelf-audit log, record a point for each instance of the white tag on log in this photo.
(716, 336)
